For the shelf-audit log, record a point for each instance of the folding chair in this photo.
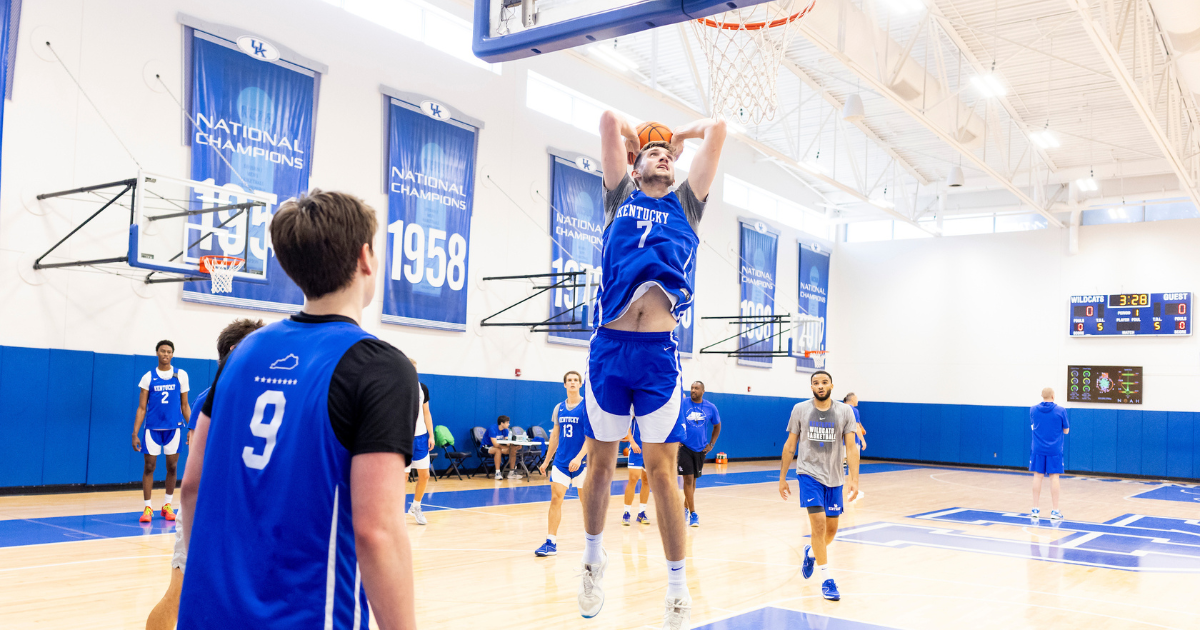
(485, 458)
(539, 435)
(454, 459)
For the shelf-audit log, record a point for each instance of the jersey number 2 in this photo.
(165, 394)
(266, 430)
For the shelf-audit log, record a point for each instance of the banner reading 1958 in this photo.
(431, 189)
(759, 251)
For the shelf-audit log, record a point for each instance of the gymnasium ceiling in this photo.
(1102, 77)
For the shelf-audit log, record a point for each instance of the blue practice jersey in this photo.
(570, 432)
(1048, 421)
(646, 242)
(197, 409)
(272, 541)
(698, 416)
(163, 411)
(495, 433)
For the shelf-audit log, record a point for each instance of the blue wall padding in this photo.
(66, 417)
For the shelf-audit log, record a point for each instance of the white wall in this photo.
(53, 140)
(984, 320)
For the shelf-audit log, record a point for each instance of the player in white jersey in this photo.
(649, 249)
(422, 445)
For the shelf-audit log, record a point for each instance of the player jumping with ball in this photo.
(649, 247)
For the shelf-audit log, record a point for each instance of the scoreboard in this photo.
(1131, 314)
(1104, 384)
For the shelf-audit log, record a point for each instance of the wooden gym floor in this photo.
(925, 548)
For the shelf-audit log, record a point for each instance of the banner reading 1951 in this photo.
(759, 251)
(431, 190)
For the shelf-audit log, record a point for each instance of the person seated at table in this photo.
(497, 450)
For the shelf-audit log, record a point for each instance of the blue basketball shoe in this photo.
(625, 519)
(694, 520)
(642, 518)
(547, 549)
(829, 590)
(809, 562)
(1055, 515)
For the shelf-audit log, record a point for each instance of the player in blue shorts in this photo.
(164, 614)
(294, 491)
(163, 406)
(824, 430)
(422, 444)
(1049, 423)
(568, 451)
(637, 472)
(648, 250)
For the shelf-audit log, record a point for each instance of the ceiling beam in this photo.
(1133, 92)
(870, 77)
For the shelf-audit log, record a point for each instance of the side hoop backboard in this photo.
(506, 30)
(176, 221)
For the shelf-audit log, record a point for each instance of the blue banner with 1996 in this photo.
(576, 223)
(759, 251)
(253, 123)
(814, 292)
(431, 190)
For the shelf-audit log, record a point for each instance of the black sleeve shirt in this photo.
(374, 396)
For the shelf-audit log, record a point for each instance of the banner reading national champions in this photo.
(431, 191)
(253, 126)
(758, 255)
(813, 292)
(576, 228)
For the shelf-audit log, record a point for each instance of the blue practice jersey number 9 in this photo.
(266, 430)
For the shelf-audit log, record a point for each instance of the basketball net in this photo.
(744, 48)
(220, 271)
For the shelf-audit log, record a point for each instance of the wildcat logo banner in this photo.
(431, 192)
(253, 129)
(756, 262)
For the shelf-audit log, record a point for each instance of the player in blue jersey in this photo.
(164, 614)
(294, 493)
(824, 431)
(637, 472)
(1049, 423)
(699, 414)
(649, 249)
(568, 451)
(163, 406)
(861, 435)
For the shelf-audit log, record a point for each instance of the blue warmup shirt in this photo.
(197, 409)
(272, 544)
(494, 432)
(697, 417)
(646, 240)
(1048, 421)
(570, 433)
(163, 411)
(857, 416)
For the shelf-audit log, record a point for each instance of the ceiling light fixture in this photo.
(988, 85)
(1087, 184)
(852, 111)
(955, 178)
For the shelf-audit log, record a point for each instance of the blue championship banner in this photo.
(253, 128)
(814, 292)
(10, 14)
(576, 224)
(687, 323)
(759, 251)
(431, 190)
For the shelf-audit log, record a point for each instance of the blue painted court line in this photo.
(39, 531)
(1186, 494)
(1131, 543)
(771, 618)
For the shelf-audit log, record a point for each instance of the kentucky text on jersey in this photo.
(641, 214)
(160, 388)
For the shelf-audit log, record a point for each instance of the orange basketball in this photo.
(652, 132)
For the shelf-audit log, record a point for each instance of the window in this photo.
(773, 207)
(968, 225)
(561, 102)
(422, 22)
(902, 230)
(1181, 209)
(866, 231)
(1122, 214)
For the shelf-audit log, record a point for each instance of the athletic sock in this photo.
(825, 573)
(147, 502)
(593, 548)
(553, 538)
(170, 498)
(416, 504)
(810, 553)
(676, 579)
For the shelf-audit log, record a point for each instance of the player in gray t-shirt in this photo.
(824, 430)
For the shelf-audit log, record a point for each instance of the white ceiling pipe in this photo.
(1180, 20)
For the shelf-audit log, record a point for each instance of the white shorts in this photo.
(563, 478)
(179, 560)
(420, 464)
(160, 442)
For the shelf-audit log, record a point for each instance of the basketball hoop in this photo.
(744, 48)
(220, 270)
(817, 356)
